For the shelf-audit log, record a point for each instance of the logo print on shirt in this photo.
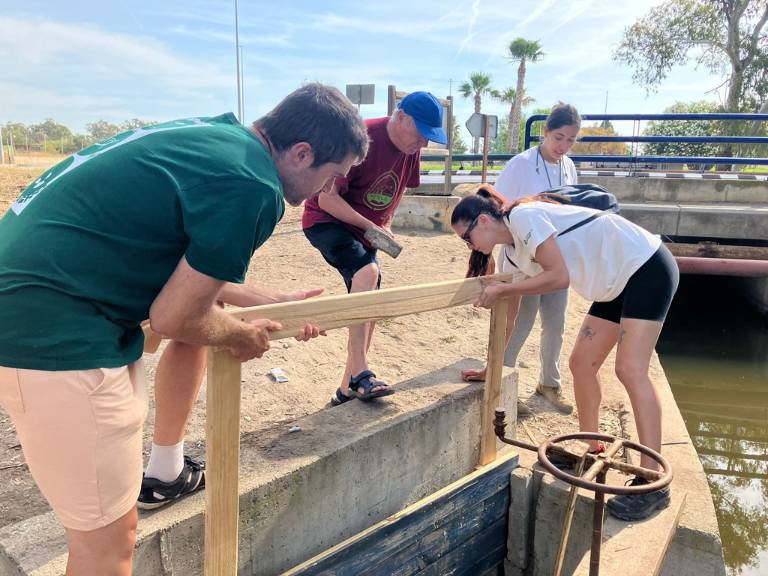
(382, 192)
(527, 237)
(81, 157)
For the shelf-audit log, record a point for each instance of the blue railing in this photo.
(633, 158)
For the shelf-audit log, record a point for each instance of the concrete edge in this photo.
(294, 504)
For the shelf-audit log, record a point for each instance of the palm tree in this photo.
(521, 50)
(478, 85)
(508, 97)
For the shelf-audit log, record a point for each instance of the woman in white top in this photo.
(538, 169)
(624, 270)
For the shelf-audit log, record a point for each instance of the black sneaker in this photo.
(638, 506)
(156, 493)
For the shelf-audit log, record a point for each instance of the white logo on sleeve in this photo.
(83, 156)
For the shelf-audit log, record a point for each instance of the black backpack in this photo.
(586, 196)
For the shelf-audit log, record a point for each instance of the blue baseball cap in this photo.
(427, 114)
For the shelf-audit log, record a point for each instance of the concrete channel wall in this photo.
(294, 502)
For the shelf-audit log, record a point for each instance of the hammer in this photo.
(380, 240)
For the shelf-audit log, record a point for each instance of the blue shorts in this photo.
(342, 250)
(648, 293)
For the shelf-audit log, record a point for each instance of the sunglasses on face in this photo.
(468, 231)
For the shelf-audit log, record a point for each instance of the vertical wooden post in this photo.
(496, 344)
(486, 129)
(222, 506)
(449, 158)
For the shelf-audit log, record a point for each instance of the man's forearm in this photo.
(340, 209)
(245, 295)
(213, 327)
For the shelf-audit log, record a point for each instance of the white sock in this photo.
(165, 462)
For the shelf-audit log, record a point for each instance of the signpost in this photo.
(483, 126)
(361, 93)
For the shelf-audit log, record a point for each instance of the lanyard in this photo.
(546, 171)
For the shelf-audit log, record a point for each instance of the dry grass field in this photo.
(13, 180)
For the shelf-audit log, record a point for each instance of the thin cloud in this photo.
(470, 26)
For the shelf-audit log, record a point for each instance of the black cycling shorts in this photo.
(648, 293)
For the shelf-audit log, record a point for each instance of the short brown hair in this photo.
(321, 116)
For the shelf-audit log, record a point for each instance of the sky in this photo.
(80, 61)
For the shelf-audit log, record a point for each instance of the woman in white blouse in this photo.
(626, 272)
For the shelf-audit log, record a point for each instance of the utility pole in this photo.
(237, 56)
(2, 148)
(242, 85)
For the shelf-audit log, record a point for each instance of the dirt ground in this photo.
(403, 348)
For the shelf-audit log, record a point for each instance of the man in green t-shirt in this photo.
(157, 223)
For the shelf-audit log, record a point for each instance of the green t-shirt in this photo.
(88, 245)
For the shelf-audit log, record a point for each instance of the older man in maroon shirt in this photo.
(336, 220)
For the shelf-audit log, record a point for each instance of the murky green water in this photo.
(714, 349)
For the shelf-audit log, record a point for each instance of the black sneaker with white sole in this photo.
(638, 506)
(156, 493)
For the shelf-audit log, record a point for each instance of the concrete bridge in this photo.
(713, 225)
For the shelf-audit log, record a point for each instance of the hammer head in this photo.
(380, 240)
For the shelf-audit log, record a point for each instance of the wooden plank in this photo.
(481, 552)
(223, 456)
(492, 392)
(402, 528)
(444, 537)
(352, 309)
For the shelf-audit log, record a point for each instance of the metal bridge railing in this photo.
(636, 138)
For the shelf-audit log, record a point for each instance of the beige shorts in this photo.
(81, 436)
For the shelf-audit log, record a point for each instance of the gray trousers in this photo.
(551, 308)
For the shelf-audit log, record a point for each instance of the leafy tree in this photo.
(604, 148)
(16, 131)
(479, 85)
(522, 51)
(683, 128)
(508, 96)
(721, 35)
(458, 146)
(135, 123)
(101, 129)
(51, 130)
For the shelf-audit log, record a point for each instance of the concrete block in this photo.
(425, 213)
(745, 191)
(512, 570)
(724, 222)
(521, 513)
(34, 546)
(656, 218)
(550, 512)
(683, 560)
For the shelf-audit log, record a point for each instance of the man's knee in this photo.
(367, 278)
(105, 546)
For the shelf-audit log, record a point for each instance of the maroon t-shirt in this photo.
(375, 187)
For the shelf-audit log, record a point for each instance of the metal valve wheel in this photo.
(604, 460)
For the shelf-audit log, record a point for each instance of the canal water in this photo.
(714, 350)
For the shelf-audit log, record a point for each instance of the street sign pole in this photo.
(486, 132)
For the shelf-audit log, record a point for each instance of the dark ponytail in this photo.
(485, 201)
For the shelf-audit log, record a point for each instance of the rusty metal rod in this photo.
(569, 517)
(597, 528)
